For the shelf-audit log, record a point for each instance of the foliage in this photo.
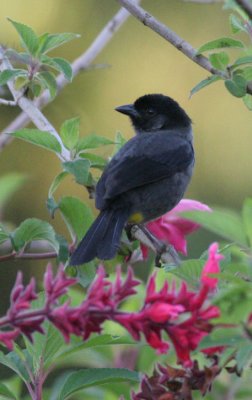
(39, 69)
(235, 72)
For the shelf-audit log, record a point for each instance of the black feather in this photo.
(103, 237)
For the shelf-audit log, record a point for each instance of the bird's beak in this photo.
(128, 109)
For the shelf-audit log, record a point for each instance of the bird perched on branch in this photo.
(145, 179)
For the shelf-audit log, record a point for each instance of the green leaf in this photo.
(63, 249)
(247, 219)
(247, 99)
(46, 344)
(220, 44)
(20, 57)
(93, 377)
(40, 138)
(77, 215)
(60, 64)
(5, 393)
(242, 61)
(22, 82)
(204, 83)
(9, 74)
(36, 88)
(13, 361)
(69, 132)
(224, 223)
(56, 182)
(28, 37)
(246, 73)
(219, 60)
(77, 344)
(80, 170)
(237, 86)
(95, 161)
(243, 355)
(92, 141)
(236, 24)
(41, 42)
(52, 206)
(58, 39)
(63, 66)
(222, 337)
(34, 229)
(49, 81)
(86, 273)
(119, 141)
(4, 235)
(190, 271)
(9, 184)
(235, 302)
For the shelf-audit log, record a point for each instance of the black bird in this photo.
(146, 178)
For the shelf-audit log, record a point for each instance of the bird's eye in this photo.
(150, 111)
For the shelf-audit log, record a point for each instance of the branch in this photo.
(29, 256)
(246, 5)
(78, 65)
(166, 253)
(169, 35)
(5, 102)
(38, 250)
(30, 109)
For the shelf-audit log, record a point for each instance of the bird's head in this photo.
(155, 112)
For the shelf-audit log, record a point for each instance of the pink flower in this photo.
(183, 315)
(211, 267)
(8, 337)
(58, 285)
(172, 228)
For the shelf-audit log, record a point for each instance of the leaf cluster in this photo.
(37, 71)
(236, 72)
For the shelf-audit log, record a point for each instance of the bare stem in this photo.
(246, 5)
(8, 102)
(28, 256)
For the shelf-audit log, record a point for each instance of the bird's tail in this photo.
(103, 237)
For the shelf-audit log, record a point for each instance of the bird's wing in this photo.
(142, 162)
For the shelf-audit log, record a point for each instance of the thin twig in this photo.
(28, 256)
(169, 35)
(82, 62)
(172, 37)
(246, 5)
(11, 103)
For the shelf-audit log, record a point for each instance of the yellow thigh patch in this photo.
(136, 218)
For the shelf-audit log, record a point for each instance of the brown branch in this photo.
(246, 5)
(38, 250)
(28, 256)
(169, 35)
(82, 62)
